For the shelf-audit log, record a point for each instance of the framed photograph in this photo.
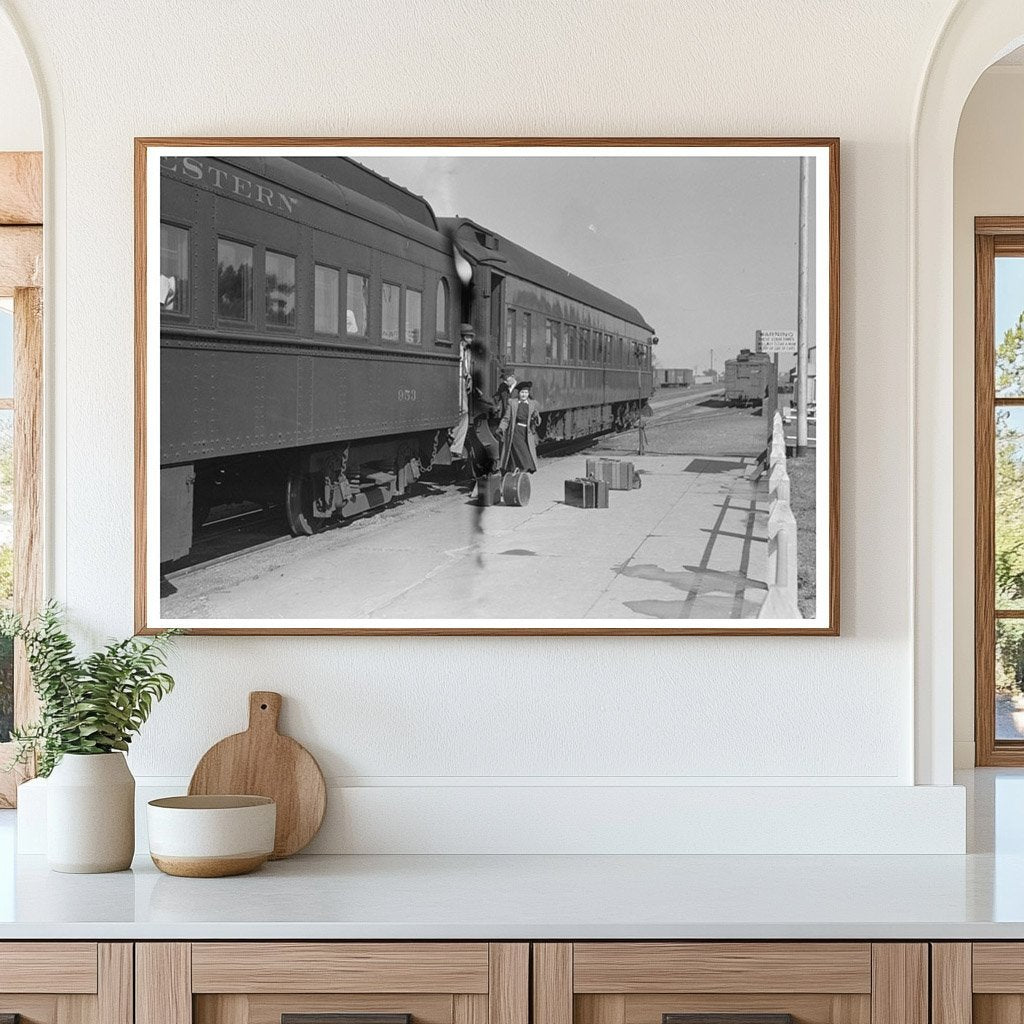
(497, 386)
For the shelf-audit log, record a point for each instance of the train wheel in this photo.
(300, 494)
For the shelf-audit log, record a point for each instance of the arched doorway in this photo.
(976, 34)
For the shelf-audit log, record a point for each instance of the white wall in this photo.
(987, 182)
(428, 717)
(21, 127)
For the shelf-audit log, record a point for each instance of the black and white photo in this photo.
(402, 386)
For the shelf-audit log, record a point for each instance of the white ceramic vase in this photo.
(90, 814)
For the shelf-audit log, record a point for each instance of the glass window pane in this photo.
(1009, 326)
(510, 334)
(6, 567)
(280, 290)
(442, 309)
(1009, 679)
(173, 269)
(358, 301)
(527, 336)
(6, 353)
(1009, 510)
(234, 280)
(390, 303)
(413, 316)
(326, 298)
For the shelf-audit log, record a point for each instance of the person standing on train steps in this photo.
(458, 442)
(519, 429)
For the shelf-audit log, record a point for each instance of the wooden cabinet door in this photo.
(66, 982)
(730, 983)
(332, 983)
(978, 983)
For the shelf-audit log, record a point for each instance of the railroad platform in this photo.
(689, 544)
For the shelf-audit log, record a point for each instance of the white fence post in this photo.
(780, 602)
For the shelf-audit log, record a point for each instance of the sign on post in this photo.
(774, 342)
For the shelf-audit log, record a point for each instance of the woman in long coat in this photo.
(519, 430)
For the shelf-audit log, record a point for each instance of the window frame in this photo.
(404, 332)
(384, 283)
(367, 280)
(321, 265)
(444, 335)
(994, 237)
(186, 314)
(284, 328)
(229, 321)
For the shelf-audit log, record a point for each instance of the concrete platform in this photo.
(690, 544)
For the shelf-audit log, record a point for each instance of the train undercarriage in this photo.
(313, 486)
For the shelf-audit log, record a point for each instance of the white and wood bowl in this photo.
(211, 836)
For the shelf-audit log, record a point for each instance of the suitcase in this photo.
(489, 488)
(619, 475)
(585, 492)
(515, 488)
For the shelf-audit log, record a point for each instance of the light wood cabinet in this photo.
(66, 982)
(263, 982)
(653, 982)
(978, 982)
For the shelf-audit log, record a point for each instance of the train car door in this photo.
(498, 341)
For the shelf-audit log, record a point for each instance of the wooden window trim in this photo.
(994, 236)
(21, 270)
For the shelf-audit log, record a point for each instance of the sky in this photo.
(1009, 293)
(705, 247)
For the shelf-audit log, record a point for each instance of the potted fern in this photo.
(90, 708)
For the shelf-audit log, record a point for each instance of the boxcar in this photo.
(747, 377)
(587, 352)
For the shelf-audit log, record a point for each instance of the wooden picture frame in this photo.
(767, 602)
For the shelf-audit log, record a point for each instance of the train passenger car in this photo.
(587, 352)
(747, 377)
(308, 339)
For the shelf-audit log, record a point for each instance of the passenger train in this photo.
(309, 338)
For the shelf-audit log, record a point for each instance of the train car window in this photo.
(234, 280)
(442, 308)
(584, 344)
(357, 303)
(510, 334)
(572, 354)
(390, 303)
(620, 347)
(551, 341)
(527, 337)
(413, 316)
(174, 266)
(280, 270)
(326, 299)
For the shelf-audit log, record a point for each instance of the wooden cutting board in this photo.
(262, 762)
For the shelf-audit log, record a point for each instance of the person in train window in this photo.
(519, 429)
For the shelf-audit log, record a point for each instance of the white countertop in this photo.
(517, 897)
(977, 896)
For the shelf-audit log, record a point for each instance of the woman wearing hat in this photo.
(519, 429)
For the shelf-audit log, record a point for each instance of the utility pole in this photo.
(802, 308)
(712, 362)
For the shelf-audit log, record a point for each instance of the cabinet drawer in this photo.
(65, 967)
(66, 982)
(730, 983)
(980, 982)
(332, 983)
